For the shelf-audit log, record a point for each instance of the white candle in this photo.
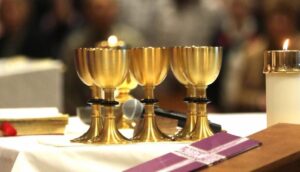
(282, 69)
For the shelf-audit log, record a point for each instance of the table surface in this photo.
(280, 151)
(56, 153)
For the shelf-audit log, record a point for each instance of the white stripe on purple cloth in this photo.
(193, 154)
(228, 145)
(199, 155)
(177, 165)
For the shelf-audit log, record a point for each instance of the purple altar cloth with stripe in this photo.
(198, 155)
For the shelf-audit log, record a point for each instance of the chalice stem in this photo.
(192, 111)
(149, 131)
(191, 116)
(95, 107)
(202, 129)
(96, 123)
(111, 134)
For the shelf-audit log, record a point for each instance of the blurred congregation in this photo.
(244, 28)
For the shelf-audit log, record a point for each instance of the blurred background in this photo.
(52, 29)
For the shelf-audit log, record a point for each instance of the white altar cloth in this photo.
(48, 153)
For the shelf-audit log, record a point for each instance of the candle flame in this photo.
(112, 41)
(286, 44)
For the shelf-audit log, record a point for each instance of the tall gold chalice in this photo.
(81, 63)
(109, 68)
(202, 65)
(124, 89)
(149, 66)
(178, 71)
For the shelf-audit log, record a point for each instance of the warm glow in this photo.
(112, 41)
(286, 44)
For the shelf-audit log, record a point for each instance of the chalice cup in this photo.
(177, 68)
(81, 63)
(149, 66)
(202, 66)
(109, 68)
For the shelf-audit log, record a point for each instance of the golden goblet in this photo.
(149, 66)
(124, 89)
(201, 68)
(177, 69)
(81, 63)
(109, 68)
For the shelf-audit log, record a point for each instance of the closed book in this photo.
(35, 121)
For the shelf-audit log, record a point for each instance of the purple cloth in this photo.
(199, 155)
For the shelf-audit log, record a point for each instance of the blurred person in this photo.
(190, 22)
(238, 28)
(100, 22)
(146, 16)
(186, 23)
(19, 33)
(249, 91)
(171, 23)
(57, 23)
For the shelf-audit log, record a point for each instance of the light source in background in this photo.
(286, 44)
(111, 42)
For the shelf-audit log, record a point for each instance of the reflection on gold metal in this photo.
(81, 63)
(177, 69)
(282, 61)
(123, 96)
(201, 68)
(149, 66)
(109, 68)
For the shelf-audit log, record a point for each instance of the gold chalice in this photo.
(124, 89)
(109, 68)
(178, 71)
(149, 66)
(81, 63)
(201, 68)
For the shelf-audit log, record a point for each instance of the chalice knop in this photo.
(81, 63)
(178, 71)
(149, 66)
(202, 66)
(109, 68)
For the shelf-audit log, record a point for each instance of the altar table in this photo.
(48, 153)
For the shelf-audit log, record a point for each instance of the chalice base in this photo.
(110, 134)
(185, 133)
(149, 131)
(202, 129)
(93, 132)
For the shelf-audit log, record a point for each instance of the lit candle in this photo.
(282, 69)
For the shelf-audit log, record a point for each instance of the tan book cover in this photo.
(35, 121)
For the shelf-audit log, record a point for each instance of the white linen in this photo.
(56, 153)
